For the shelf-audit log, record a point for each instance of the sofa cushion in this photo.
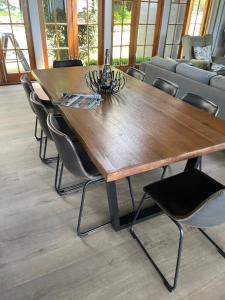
(195, 73)
(218, 82)
(164, 63)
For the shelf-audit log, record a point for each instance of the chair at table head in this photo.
(166, 86)
(67, 63)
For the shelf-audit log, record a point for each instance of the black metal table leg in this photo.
(113, 204)
(193, 163)
(122, 222)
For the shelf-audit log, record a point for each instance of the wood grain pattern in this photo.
(139, 129)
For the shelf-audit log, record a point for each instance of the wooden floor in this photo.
(42, 258)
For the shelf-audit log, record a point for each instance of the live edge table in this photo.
(137, 130)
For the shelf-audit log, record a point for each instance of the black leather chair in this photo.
(202, 104)
(28, 88)
(136, 73)
(190, 198)
(67, 63)
(77, 162)
(166, 86)
(42, 113)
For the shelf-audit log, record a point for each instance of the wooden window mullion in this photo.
(134, 31)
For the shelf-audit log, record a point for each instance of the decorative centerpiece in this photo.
(106, 81)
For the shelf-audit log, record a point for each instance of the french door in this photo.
(136, 29)
(72, 29)
(16, 47)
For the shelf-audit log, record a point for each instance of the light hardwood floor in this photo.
(42, 258)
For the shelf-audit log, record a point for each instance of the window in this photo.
(136, 27)
(72, 29)
(56, 29)
(122, 13)
(198, 16)
(148, 28)
(16, 48)
(176, 27)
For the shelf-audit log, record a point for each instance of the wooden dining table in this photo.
(139, 129)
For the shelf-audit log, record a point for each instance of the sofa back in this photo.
(190, 82)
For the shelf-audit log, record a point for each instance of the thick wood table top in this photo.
(139, 129)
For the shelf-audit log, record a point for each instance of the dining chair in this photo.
(136, 73)
(190, 198)
(28, 88)
(202, 104)
(169, 88)
(42, 113)
(77, 162)
(67, 63)
(166, 86)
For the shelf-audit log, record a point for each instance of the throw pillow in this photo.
(203, 53)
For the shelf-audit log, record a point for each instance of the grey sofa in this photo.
(189, 79)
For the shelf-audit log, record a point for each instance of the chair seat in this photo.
(182, 194)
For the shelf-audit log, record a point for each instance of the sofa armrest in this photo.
(219, 60)
(202, 64)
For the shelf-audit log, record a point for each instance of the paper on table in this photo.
(85, 101)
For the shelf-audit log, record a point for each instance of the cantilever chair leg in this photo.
(181, 235)
(212, 242)
(35, 130)
(58, 180)
(84, 233)
(42, 153)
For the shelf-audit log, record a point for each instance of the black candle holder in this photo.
(94, 81)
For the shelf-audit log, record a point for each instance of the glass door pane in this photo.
(146, 30)
(55, 19)
(196, 17)
(87, 16)
(122, 14)
(175, 28)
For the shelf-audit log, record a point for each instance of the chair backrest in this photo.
(41, 113)
(166, 86)
(28, 88)
(210, 213)
(136, 73)
(67, 63)
(201, 103)
(188, 42)
(66, 148)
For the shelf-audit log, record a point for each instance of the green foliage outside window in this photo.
(57, 36)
